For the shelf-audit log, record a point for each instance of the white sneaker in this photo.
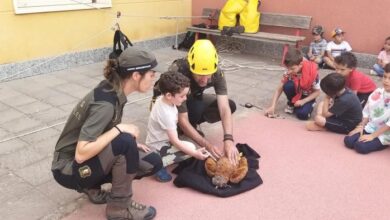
(289, 109)
(372, 72)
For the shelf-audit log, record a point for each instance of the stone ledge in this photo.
(24, 69)
(274, 50)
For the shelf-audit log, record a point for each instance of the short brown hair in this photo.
(332, 83)
(347, 59)
(293, 57)
(387, 68)
(172, 82)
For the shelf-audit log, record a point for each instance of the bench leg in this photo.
(285, 50)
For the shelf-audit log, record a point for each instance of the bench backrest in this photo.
(270, 19)
(285, 20)
(212, 13)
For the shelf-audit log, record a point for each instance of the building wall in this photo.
(366, 23)
(34, 36)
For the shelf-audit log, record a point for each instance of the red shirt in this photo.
(358, 81)
(305, 81)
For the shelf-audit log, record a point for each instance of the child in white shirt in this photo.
(373, 133)
(336, 47)
(162, 126)
(383, 59)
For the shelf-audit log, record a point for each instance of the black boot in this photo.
(229, 31)
(237, 30)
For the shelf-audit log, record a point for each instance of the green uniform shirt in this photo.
(97, 112)
(217, 81)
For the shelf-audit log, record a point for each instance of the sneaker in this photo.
(163, 175)
(140, 211)
(372, 72)
(289, 109)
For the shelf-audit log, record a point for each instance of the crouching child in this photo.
(340, 111)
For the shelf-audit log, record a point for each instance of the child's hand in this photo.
(201, 154)
(358, 129)
(270, 112)
(299, 103)
(143, 147)
(366, 137)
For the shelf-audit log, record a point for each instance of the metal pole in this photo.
(177, 33)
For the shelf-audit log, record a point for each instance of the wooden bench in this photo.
(298, 22)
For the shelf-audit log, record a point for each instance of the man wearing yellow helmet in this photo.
(201, 67)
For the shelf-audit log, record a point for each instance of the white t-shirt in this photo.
(377, 110)
(337, 49)
(384, 57)
(162, 118)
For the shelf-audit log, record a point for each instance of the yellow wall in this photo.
(31, 36)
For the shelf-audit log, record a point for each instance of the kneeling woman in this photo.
(96, 148)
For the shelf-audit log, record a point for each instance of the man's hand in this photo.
(231, 152)
(215, 151)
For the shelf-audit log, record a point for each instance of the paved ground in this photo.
(33, 111)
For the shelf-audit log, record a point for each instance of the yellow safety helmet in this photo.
(203, 58)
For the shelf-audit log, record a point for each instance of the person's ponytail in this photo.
(111, 74)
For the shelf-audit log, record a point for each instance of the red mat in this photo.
(307, 175)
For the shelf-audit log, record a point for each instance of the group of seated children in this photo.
(351, 105)
(324, 53)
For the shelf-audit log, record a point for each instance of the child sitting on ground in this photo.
(317, 46)
(344, 114)
(300, 84)
(373, 133)
(359, 83)
(336, 47)
(383, 59)
(162, 126)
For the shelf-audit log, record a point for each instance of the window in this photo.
(35, 6)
